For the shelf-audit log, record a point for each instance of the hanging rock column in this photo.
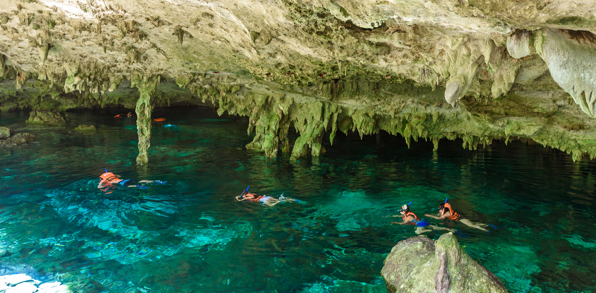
(146, 86)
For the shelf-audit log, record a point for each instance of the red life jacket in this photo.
(454, 216)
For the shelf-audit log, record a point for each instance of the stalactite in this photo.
(570, 57)
(146, 86)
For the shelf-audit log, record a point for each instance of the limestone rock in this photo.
(16, 140)
(4, 132)
(570, 57)
(419, 264)
(518, 44)
(452, 93)
(47, 118)
(85, 128)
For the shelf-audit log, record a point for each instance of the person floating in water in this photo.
(109, 179)
(447, 212)
(267, 200)
(409, 218)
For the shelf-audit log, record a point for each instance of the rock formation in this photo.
(85, 128)
(9, 140)
(4, 132)
(477, 70)
(419, 264)
(47, 118)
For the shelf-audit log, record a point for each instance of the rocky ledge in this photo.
(419, 264)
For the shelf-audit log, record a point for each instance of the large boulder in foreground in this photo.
(419, 264)
(47, 118)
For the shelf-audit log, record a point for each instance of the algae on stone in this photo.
(419, 264)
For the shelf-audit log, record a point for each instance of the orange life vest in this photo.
(109, 177)
(410, 214)
(454, 216)
(251, 197)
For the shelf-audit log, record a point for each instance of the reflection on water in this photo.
(191, 234)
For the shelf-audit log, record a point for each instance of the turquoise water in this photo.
(190, 235)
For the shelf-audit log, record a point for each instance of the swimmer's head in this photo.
(404, 209)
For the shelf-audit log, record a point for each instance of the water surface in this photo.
(191, 236)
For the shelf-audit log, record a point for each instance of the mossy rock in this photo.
(47, 118)
(16, 140)
(4, 132)
(419, 264)
(85, 128)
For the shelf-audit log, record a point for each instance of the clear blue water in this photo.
(190, 235)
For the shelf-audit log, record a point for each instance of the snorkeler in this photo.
(109, 179)
(408, 217)
(447, 212)
(267, 200)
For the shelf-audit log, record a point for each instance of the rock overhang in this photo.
(314, 65)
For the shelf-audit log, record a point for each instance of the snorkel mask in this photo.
(244, 192)
(441, 206)
(402, 209)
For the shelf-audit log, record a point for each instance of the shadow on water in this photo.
(190, 234)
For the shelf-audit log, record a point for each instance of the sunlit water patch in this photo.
(60, 232)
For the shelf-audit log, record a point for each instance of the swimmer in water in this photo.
(267, 200)
(409, 218)
(447, 212)
(109, 179)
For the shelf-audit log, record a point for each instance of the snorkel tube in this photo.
(244, 192)
(443, 204)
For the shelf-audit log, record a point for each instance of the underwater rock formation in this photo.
(47, 118)
(85, 128)
(314, 67)
(419, 264)
(16, 139)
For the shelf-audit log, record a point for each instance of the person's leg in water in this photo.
(472, 224)
(286, 199)
(435, 227)
(420, 230)
(270, 201)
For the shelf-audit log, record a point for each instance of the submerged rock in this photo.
(47, 118)
(419, 264)
(16, 140)
(85, 128)
(4, 132)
